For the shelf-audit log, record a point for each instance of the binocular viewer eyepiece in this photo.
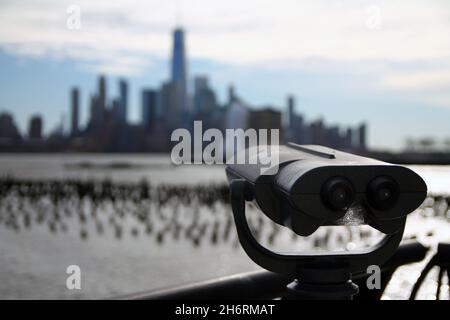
(311, 186)
(382, 193)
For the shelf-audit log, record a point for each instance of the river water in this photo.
(33, 262)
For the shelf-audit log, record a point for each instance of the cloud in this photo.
(419, 80)
(428, 84)
(383, 39)
(117, 65)
(241, 31)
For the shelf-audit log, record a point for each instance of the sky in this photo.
(383, 62)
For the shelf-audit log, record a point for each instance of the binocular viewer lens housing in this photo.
(338, 193)
(314, 186)
(383, 193)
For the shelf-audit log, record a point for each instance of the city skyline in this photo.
(166, 108)
(345, 68)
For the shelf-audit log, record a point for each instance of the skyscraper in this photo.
(35, 128)
(205, 103)
(8, 128)
(149, 102)
(98, 105)
(115, 106)
(296, 130)
(362, 131)
(267, 118)
(231, 95)
(123, 102)
(170, 100)
(94, 114)
(348, 138)
(179, 69)
(291, 114)
(102, 92)
(75, 110)
(178, 57)
(204, 97)
(200, 84)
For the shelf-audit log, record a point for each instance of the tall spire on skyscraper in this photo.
(75, 111)
(178, 56)
(179, 69)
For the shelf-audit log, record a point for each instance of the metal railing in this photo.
(267, 285)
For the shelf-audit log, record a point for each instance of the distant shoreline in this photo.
(407, 158)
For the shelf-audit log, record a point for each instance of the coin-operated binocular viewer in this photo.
(313, 186)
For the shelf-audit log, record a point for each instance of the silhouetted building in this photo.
(8, 129)
(295, 128)
(102, 92)
(237, 116)
(98, 105)
(333, 137)
(231, 95)
(115, 110)
(318, 134)
(149, 108)
(122, 108)
(291, 111)
(205, 102)
(348, 138)
(167, 109)
(266, 118)
(204, 97)
(179, 69)
(75, 111)
(362, 132)
(35, 128)
(200, 83)
(170, 104)
(95, 116)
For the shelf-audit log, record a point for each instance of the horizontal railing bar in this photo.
(261, 284)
